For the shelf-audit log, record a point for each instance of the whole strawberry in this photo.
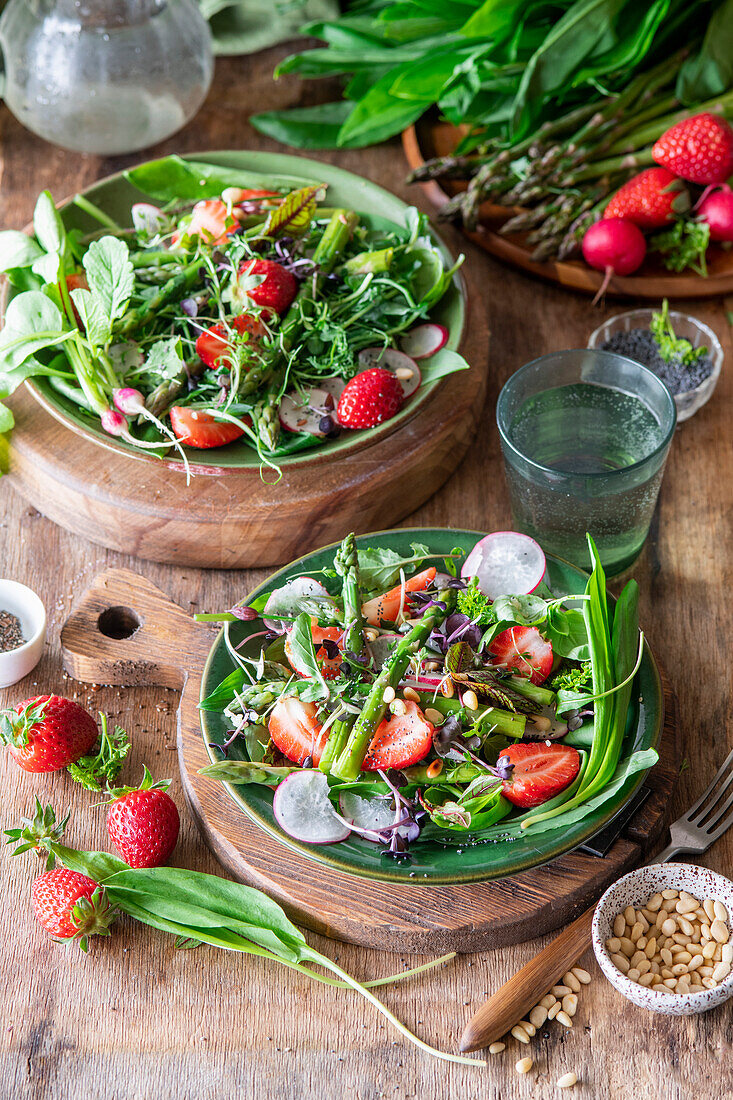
(143, 822)
(370, 398)
(47, 733)
(71, 906)
(699, 149)
(278, 288)
(650, 199)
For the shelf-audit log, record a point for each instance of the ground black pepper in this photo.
(640, 344)
(11, 632)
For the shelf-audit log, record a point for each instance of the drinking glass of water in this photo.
(585, 436)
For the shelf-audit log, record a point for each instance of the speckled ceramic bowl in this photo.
(634, 889)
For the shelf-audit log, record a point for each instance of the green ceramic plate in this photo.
(116, 194)
(432, 863)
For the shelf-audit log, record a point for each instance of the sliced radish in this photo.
(298, 594)
(401, 365)
(302, 809)
(424, 341)
(381, 648)
(506, 563)
(373, 814)
(314, 410)
(147, 218)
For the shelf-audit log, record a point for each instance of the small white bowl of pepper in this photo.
(22, 631)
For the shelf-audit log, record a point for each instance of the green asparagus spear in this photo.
(349, 763)
(346, 564)
(178, 285)
(337, 738)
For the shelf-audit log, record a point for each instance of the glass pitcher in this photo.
(105, 76)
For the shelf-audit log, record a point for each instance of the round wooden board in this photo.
(168, 648)
(429, 138)
(235, 519)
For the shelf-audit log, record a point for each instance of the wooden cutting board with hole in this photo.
(124, 630)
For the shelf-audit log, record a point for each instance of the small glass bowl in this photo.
(691, 329)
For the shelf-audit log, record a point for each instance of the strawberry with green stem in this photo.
(70, 906)
(143, 822)
(47, 733)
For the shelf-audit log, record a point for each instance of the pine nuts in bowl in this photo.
(663, 936)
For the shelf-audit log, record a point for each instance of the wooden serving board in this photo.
(125, 630)
(430, 138)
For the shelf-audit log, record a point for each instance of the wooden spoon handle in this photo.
(521, 993)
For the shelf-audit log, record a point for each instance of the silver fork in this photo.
(694, 832)
(705, 821)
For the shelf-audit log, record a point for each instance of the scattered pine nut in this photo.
(371, 634)
(389, 694)
(434, 769)
(496, 1048)
(564, 1019)
(446, 689)
(434, 716)
(524, 1065)
(567, 1080)
(582, 975)
(403, 373)
(470, 701)
(411, 694)
(528, 1027)
(570, 980)
(561, 990)
(538, 1015)
(548, 1001)
(520, 1034)
(398, 707)
(552, 1012)
(570, 1002)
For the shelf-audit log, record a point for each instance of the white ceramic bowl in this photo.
(691, 329)
(27, 606)
(634, 889)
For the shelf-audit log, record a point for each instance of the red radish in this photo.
(369, 815)
(402, 366)
(506, 564)
(314, 410)
(113, 422)
(296, 732)
(303, 810)
(147, 218)
(614, 246)
(523, 649)
(330, 666)
(716, 208)
(540, 771)
(385, 608)
(424, 341)
(129, 401)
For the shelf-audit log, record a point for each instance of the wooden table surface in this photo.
(135, 1018)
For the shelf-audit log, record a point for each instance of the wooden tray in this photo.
(429, 138)
(126, 631)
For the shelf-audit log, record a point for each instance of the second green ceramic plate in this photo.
(431, 862)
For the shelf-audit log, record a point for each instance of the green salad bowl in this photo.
(432, 862)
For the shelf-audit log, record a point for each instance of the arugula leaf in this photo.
(110, 276)
(379, 567)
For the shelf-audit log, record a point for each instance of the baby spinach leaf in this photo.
(32, 322)
(17, 250)
(440, 365)
(567, 632)
(709, 71)
(47, 224)
(174, 179)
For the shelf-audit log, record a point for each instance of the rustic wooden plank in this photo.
(137, 1019)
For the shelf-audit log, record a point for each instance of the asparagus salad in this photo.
(449, 698)
(256, 312)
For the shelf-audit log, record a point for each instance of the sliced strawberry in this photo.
(330, 666)
(214, 347)
(295, 731)
(370, 398)
(76, 281)
(523, 648)
(540, 771)
(196, 428)
(400, 740)
(278, 288)
(211, 221)
(234, 195)
(386, 608)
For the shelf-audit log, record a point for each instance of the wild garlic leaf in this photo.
(110, 275)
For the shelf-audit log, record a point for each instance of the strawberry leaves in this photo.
(15, 727)
(37, 833)
(146, 785)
